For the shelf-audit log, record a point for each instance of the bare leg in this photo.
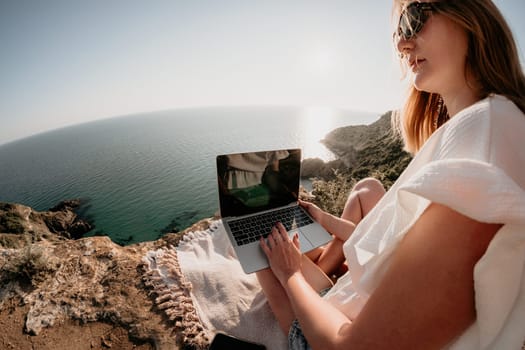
(329, 257)
(363, 197)
(277, 297)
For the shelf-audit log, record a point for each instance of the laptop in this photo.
(257, 190)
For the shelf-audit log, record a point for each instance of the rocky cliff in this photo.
(346, 142)
(362, 150)
(63, 293)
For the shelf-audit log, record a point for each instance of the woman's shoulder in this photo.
(495, 112)
(493, 106)
(502, 105)
(478, 132)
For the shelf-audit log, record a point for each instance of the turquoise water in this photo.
(140, 174)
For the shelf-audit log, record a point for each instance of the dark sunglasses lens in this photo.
(411, 21)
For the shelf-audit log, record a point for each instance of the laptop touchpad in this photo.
(305, 244)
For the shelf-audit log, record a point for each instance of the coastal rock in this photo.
(362, 151)
(352, 147)
(60, 221)
(48, 280)
(347, 142)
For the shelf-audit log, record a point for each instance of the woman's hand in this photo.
(283, 254)
(312, 209)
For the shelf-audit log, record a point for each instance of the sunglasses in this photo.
(413, 18)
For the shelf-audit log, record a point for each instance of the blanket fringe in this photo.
(172, 291)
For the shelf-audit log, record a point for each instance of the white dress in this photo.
(474, 164)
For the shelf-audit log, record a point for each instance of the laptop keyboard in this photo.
(250, 229)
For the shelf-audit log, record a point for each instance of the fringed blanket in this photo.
(203, 289)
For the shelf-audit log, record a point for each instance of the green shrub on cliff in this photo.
(331, 195)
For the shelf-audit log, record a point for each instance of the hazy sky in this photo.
(63, 62)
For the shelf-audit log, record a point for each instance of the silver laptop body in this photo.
(256, 190)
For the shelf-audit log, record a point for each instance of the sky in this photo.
(65, 62)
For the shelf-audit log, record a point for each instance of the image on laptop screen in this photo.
(257, 181)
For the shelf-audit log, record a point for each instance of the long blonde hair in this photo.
(492, 60)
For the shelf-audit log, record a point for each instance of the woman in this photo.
(438, 262)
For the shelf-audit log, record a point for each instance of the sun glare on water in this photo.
(317, 121)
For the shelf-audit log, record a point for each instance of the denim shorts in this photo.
(296, 339)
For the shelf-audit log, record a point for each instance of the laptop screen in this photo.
(257, 181)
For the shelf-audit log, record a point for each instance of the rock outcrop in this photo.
(50, 280)
(346, 142)
(361, 151)
(60, 221)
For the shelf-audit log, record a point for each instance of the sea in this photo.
(141, 175)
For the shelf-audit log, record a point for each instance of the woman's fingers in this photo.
(278, 237)
(272, 238)
(271, 241)
(265, 247)
(296, 241)
(305, 205)
(282, 233)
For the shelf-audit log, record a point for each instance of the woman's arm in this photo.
(296, 295)
(424, 300)
(426, 297)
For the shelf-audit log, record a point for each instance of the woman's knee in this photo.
(369, 192)
(369, 184)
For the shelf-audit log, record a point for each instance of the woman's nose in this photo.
(404, 45)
